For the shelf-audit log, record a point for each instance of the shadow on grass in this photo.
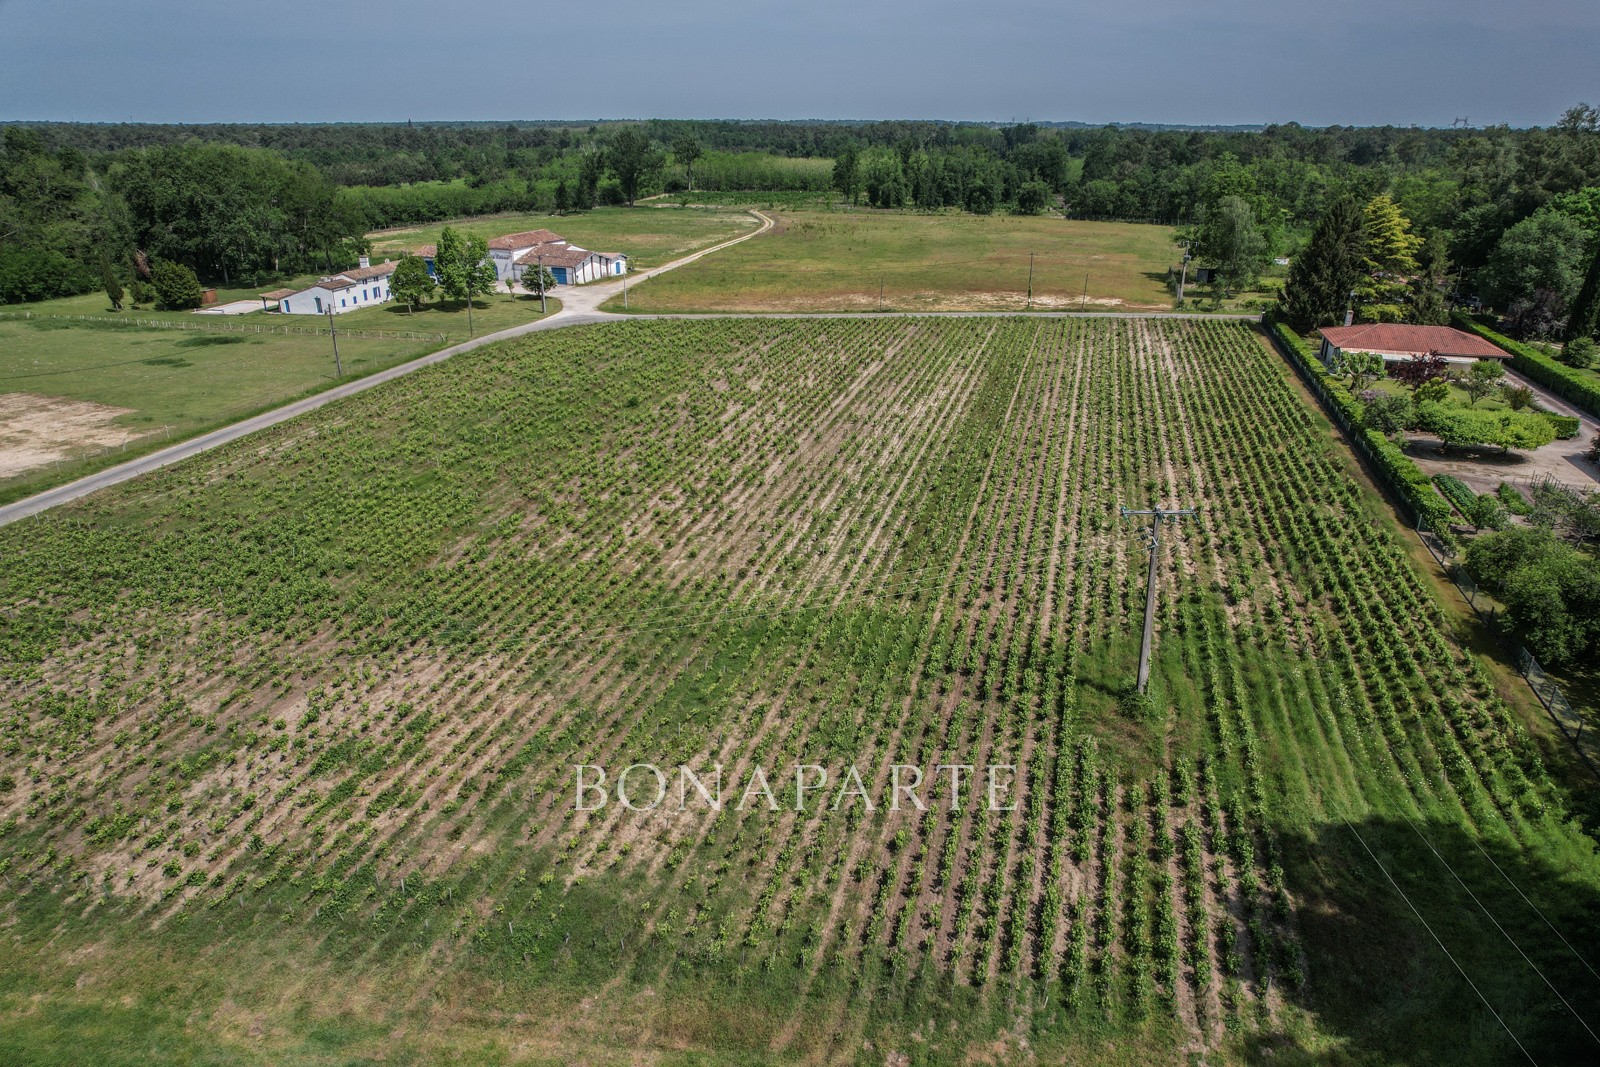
(1381, 984)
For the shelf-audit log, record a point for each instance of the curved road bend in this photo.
(579, 306)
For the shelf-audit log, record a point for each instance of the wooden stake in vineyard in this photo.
(1157, 517)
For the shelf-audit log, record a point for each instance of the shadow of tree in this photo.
(1380, 981)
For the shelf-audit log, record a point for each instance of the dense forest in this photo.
(1508, 213)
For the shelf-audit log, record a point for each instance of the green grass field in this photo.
(845, 260)
(649, 235)
(286, 764)
(164, 384)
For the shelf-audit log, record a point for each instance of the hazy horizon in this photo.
(1161, 62)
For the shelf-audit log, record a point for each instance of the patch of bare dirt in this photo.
(36, 431)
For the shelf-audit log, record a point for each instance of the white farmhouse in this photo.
(364, 286)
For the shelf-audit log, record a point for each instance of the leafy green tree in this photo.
(110, 281)
(1544, 251)
(634, 160)
(1551, 591)
(686, 149)
(1483, 378)
(1229, 237)
(1363, 367)
(1322, 277)
(463, 266)
(563, 197)
(176, 286)
(1032, 198)
(411, 283)
(1386, 412)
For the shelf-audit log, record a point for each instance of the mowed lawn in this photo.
(79, 394)
(843, 260)
(649, 236)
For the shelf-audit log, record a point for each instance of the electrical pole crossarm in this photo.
(1158, 516)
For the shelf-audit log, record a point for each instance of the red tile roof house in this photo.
(364, 286)
(1399, 341)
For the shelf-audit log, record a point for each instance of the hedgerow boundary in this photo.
(1410, 498)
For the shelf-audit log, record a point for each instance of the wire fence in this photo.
(227, 327)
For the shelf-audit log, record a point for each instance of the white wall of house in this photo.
(317, 300)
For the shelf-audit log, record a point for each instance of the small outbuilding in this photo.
(1396, 341)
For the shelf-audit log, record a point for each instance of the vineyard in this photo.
(315, 700)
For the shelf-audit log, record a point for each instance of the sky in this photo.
(1203, 62)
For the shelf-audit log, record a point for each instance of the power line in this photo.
(1442, 948)
(1497, 926)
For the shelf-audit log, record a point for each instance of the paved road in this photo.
(579, 306)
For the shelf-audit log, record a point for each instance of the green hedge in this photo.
(1571, 386)
(1405, 479)
(1567, 426)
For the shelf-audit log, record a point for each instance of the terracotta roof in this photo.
(361, 274)
(555, 255)
(278, 294)
(333, 285)
(525, 239)
(1402, 338)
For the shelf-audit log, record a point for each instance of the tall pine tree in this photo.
(1323, 276)
(1584, 319)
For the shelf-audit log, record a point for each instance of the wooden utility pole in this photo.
(1157, 517)
(540, 258)
(1030, 281)
(1184, 277)
(333, 331)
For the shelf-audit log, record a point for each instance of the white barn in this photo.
(571, 265)
(349, 290)
(504, 251)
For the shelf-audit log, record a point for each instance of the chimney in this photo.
(365, 261)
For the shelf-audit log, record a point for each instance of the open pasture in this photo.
(866, 260)
(648, 235)
(314, 701)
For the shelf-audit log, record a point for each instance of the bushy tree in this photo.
(411, 283)
(177, 288)
(1230, 238)
(1543, 252)
(1386, 412)
(1469, 426)
(463, 266)
(686, 149)
(1580, 352)
(1322, 276)
(1551, 591)
(1537, 315)
(634, 159)
(846, 176)
(1389, 259)
(1032, 198)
